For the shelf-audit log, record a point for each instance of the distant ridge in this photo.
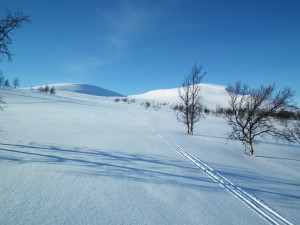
(214, 95)
(84, 89)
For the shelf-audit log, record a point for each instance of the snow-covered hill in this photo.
(214, 95)
(84, 89)
(82, 159)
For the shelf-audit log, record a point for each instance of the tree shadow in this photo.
(280, 158)
(106, 163)
(290, 145)
(211, 136)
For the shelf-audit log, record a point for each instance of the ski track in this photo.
(249, 200)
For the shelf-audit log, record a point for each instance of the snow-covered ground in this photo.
(73, 158)
(83, 89)
(214, 95)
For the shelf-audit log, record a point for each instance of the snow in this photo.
(214, 95)
(73, 158)
(83, 89)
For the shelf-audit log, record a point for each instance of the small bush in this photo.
(178, 108)
(206, 111)
(147, 105)
(41, 89)
(52, 90)
(45, 89)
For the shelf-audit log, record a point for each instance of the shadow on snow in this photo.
(115, 164)
(285, 190)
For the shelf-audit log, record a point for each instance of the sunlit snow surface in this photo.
(73, 158)
(82, 89)
(213, 95)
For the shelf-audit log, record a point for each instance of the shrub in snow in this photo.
(52, 90)
(147, 105)
(178, 108)
(206, 111)
(46, 89)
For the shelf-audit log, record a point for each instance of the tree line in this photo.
(5, 82)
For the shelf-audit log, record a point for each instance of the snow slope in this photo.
(84, 89)
(82, 159)
(214, 95)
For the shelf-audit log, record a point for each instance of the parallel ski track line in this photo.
(251, 201)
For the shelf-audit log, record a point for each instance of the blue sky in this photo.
(135, 46)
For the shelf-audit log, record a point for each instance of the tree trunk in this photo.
(251, 150)
(188, 127)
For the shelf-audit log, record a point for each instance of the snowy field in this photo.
(72, 158)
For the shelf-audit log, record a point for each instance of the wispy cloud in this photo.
(120, 26)
(83, 66)
(126, 21)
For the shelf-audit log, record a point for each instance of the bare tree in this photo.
(16, 82)
(250, 113)
(8, 24)
(191, 98)
(6, 83)
(1, 79)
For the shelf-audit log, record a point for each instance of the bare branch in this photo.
(8, 24)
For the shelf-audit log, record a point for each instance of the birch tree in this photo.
(250, 113)
(191, 99)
